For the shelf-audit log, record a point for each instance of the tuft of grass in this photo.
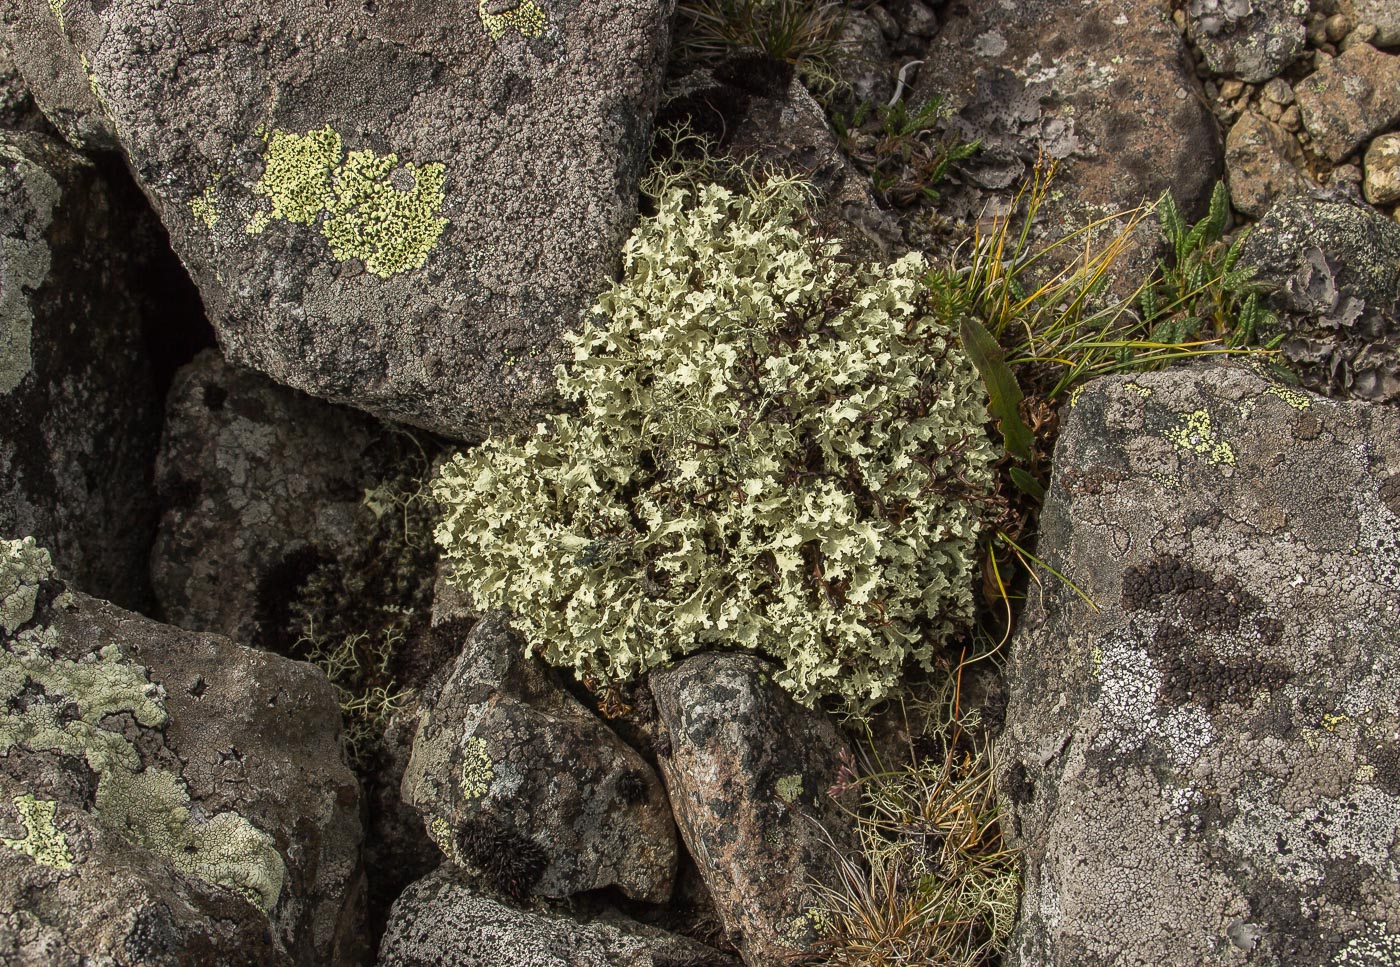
(805, 34)
(902, 148)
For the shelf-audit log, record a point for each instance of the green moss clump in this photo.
(774, 451)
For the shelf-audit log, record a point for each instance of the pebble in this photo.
(1382, 164)
(1336, 27)
(1231, 89)
(1291, 119)
(1363, 34)
(1278, 91)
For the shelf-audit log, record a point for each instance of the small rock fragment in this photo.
(1345, 102)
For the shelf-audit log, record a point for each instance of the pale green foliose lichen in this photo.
(362, 213)
(773, 451)
(23, 565)
(789, 788)
(477, 771)
(149, 806)
(527, 19)
(43, 842)
(32, 194)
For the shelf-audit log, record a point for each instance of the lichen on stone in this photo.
(44, 842)
(528, 19)
(361, 211)
(789, 788)
(32, 193)
(1195, 433)
(23, 565)
(57, 7)
(205, 207)
(477, 770)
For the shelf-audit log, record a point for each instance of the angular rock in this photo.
(54, 72)
(441, 920)
(200, 777)
(1205, 771)
(1351, 98)
(1104, 88)
(1383, 170)
(1384, 15)
(79, 411)
(518, 781)
(1337, 269)
(1264, 162)
(747, 773)
(1249, 39)
(17, 109)
(399, 207)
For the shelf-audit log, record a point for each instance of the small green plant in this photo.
(805, 34)
(774, 450)
(902, 148)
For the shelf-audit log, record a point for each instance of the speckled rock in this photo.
(1337, 269)
(747, 771)
(1206, 770)
(1382, 166)
(1263, 162)
(169, 798)
(520, 783)
(1349, 99)
(1384, 15)
(1249, 39)
(18, 112)
(1104, 89)
(53, 71)
(397, 206)
(79, 411)
(444, 922)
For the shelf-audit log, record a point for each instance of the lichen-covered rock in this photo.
(747, 770)
(1337, 269)
(1205, 769)
(396, 206)
(18, 111)
(1249, 39)
(520, 783)
(1382, 162)
(202, 776)
(1264, 163)
(1104, 88)
(54, 72)
(443, 921)
(1384, 15)
(79, 413)
(1349, 99)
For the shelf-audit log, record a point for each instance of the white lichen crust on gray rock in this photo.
(520, 783)
(54, 72)
(1206, 769)
(79, 414)
(395, 206)
(748, 771)
(1249, 39)
(168, 798)
(443, 921)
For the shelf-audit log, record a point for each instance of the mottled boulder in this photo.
(1384, 15)
(18, 112)
(1249, 39)
(1336, 266)
(53, 70)
(444, 922)
(1105, 88)
(79, 411)
(170, 798)
(397, 206)
(1349, 99)
(1263, 162)
(747, 771)
(1205, 770)
(519, 782)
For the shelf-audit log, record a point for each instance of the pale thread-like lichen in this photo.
(43, 842)
(477, 770)
(355, 200)
(1195, 433)
(527, 19)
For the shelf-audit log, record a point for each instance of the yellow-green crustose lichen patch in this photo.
(477, 771)
(789, 788)
(1294, 398)
(150, 807)
(1195, 433)
(528, 19)
(357, 200)
(57, 7)
(205, 208)
(43, 841)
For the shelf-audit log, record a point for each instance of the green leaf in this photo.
(1027, 484)
(1002, 389)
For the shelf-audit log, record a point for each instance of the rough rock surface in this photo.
(1263, 162)
(518, 781)
(1383, 170)
(54, 73)
(1249, 39)
(203, 777)
(79, 414)
(1384, 15)
(1349, 99)
(747, 772)
(443, 922)
(397, 206)
(18, 112)
(1106, 88)
(259, 483)
(1206, 770)
(1337, 268)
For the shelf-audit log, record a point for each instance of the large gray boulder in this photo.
(54, 72)
(167, 797)
(79, 411)
(1205, 770)
(397, 206)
